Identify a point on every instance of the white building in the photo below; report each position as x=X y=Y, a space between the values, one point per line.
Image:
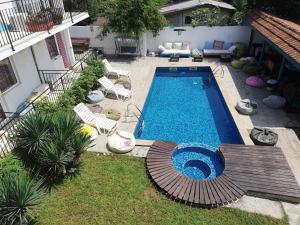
x=34 y=36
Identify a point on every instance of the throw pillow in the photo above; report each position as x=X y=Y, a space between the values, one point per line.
x=227 y=45
x=161 y=48
x=168 y=45
x=208 y=45
x=218 y=44
x=185 y=46
x=177 y=45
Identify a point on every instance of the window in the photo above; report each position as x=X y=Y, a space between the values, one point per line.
x=188 y=20
x=7 y=75
x=52 y=47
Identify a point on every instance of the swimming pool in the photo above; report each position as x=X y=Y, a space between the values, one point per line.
x=185 y=104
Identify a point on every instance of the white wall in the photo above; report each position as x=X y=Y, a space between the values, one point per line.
x=26 y=72
x=196 y=36
x=27 y=77
x=43 y=58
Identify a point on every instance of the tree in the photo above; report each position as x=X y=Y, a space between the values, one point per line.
x=133 y=17
x=281 y=8
x=209 y=17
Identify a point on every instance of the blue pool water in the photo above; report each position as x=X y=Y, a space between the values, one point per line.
x=185 y=105
x=197 y=161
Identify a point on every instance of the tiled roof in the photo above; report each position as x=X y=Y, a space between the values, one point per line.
x=192 y=4
x=282 y=33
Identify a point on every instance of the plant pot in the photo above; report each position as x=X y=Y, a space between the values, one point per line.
x=37 y=27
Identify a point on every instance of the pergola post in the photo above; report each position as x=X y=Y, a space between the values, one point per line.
x=251 y=41
x=281 y=69
x=262 y=53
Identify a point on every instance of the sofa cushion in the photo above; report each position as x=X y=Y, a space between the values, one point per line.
x=169 y=52
x=177 y=45
x=218 y=44
x=227 y=45
x=208 y=45
x=215 y=51
x=168 y=45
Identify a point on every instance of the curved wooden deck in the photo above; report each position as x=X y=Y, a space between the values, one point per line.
x=207 y=193
x=253 y=170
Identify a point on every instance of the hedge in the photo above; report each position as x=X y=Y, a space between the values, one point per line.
x=78 y=92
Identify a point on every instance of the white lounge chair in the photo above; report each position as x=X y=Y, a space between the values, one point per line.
x=114 y=71
x=109 y=87
x=101 y=123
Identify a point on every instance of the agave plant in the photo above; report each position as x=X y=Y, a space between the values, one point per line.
x=54 y=161
x=18 y=195
x=79 y=145
x=32 y=132
x=50 y=145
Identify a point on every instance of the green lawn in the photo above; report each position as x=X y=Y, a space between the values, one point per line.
x=116 y=190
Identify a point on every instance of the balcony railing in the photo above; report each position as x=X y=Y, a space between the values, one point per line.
x=21 y=18
x=58 y=81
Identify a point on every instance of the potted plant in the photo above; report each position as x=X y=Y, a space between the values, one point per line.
x=57 y=15
x=40 y=21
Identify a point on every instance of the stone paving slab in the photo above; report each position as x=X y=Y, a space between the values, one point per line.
x=259 y=205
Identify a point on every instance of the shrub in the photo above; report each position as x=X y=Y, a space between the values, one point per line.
x=18 y=195
x=12 y=165
x=78 y=92
x=241 y=50
x=50 y=145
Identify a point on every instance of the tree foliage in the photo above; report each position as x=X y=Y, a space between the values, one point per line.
x=209 y=17
x=133 y=17
x=281 y=8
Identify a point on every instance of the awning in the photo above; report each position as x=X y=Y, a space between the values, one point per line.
x=282 y=34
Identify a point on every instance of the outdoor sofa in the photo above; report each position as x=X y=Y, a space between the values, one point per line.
x=217 y=48
x=181 y=49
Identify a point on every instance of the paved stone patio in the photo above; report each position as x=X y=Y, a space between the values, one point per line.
x=232 y=85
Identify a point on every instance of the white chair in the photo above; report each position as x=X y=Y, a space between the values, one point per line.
x=101 y=123
x=114 y=71
x=109 y=87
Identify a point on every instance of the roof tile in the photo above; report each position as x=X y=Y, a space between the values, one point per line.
x=283 y=33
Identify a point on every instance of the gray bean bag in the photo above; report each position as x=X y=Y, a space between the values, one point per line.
x=274 y=101
x=246 y=107
x=95 y=96
x=263 y=136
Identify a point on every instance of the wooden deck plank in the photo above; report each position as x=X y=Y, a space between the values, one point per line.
x=187 y=191
x=191 y=197
x=197 y=192
x=261 y=171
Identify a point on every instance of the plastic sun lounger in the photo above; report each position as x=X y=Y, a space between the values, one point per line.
x=101 y=123
x=113 y=71
x=109 y=87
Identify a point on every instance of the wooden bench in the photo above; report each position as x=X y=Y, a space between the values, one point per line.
x=80 y=44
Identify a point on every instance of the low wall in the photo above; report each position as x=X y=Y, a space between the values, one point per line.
x=196 y=36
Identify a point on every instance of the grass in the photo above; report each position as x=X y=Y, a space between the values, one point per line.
x=116 y=190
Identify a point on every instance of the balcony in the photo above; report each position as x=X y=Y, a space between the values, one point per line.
x=53 y=84
x=23 y=20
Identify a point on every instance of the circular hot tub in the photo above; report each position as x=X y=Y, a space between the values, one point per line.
x=198 y=161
